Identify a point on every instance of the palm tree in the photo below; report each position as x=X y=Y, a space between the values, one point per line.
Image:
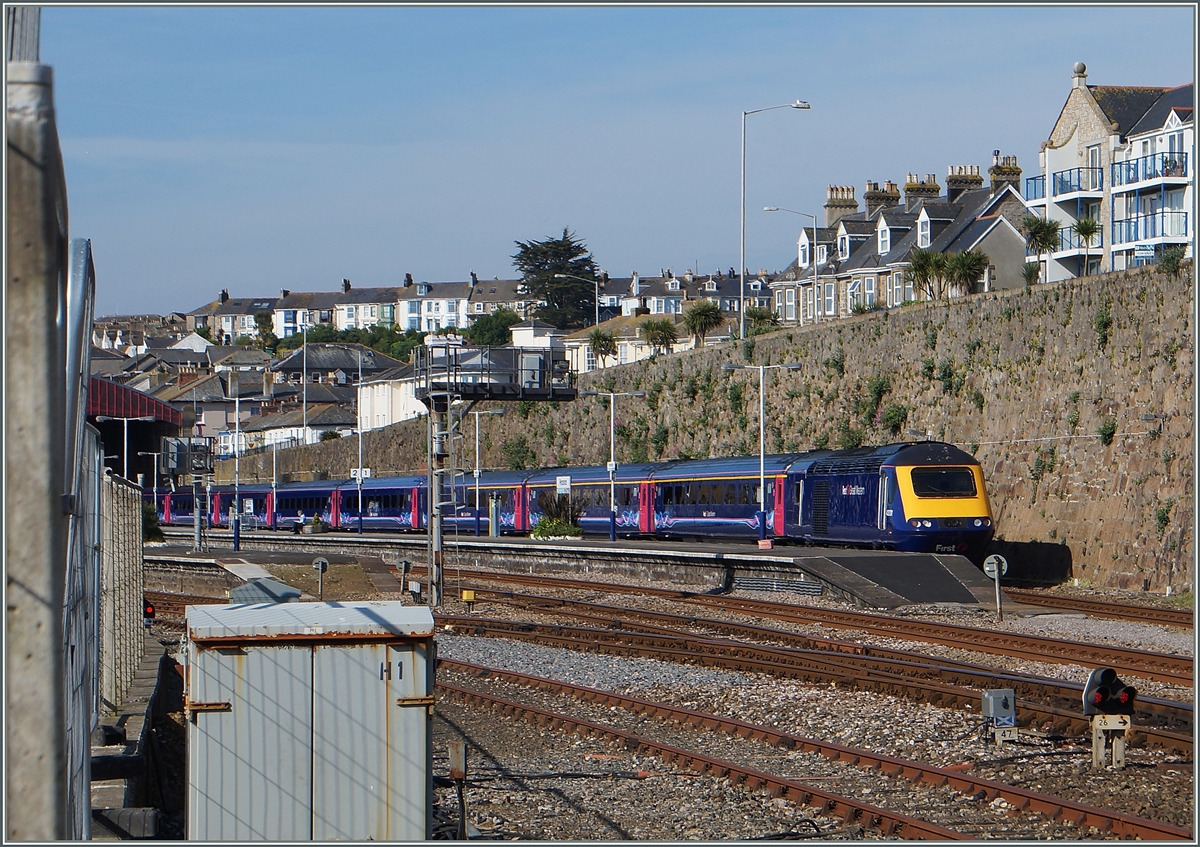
x=1086 y=229
x=702 y=318
x=1041 y=235
x=659 y=334
x=927 y=270
x=761 y=320
x=964 y=269
x=603 y=344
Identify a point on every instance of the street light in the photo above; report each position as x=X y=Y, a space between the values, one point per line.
x=584 y=279
x=155 y=455
x=816 y=267
x=478 y=472
x=125 y=449
x=799 y=104
x=234 y=384
x=612 y=451
x=762 y=436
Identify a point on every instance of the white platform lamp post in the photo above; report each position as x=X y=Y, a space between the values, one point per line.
x=612 y=451
x=762 y=436
x=816 y=267
x=799 y=104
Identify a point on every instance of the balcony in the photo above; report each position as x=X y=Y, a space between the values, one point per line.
x=1035 y=188
x=1069 y=241
x=1164 y=224
x=1154 y=166
x=1077 y=180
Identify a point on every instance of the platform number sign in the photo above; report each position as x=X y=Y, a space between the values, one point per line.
x=562 y=484
x=995 y=565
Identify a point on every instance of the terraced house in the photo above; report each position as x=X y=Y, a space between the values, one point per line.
x=1123 y=157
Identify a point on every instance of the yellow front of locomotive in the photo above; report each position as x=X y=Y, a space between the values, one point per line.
x=945 y=509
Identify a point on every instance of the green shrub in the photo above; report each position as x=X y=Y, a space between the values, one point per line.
x=548 y=527
x=1171 y=259
x=894 y=417
x=1102 y=322
x=330 y=435
x=1106 y=430
x=1162 y=515
x=151 y=531
x=977 y=399
x=837 y=362
x=659 y=439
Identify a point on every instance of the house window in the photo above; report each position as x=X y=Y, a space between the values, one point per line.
x=789 y=310
x=779 y=303
x=853 y=293
x=829 y=298
x=808 y=304
x=823 y=253
x=804 y=255
x=908 y=289
x=414 y=307
x=451 y=305
x=843 y=247
x=656 y=306
x=885 y=241
x=869 y=291
x=478 y=308
x=673 y=285
x=922 y=233
x=590 y=359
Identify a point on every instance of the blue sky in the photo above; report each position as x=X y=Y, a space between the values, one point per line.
x=260 y=148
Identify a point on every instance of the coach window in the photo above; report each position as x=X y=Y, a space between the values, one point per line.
x=702 y=493
x=668 y=495
x=730 y=493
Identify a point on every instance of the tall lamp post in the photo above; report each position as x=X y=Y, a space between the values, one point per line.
x=358 y=411
x=155 y=455
x=235 y=386
x=585 y=279
x=478 y=471
x=612 y=451
x=799 y=104
x=762 y=436
x=816 y=267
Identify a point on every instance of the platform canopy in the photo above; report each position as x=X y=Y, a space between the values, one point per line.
x=114 y=400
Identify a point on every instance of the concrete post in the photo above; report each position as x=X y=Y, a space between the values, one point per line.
x=35 y=431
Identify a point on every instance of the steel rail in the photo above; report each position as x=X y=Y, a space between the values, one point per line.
x=1178 y=715
x=787 y=662
x=1019 y=800
x=889 y=823
x=1161 y=667
x=1141 y=613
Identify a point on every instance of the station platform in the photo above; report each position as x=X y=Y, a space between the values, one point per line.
x=868 y=578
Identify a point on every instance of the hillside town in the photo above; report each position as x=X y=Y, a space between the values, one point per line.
x=1111 y=191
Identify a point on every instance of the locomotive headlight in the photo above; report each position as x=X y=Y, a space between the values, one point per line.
x=914 y=523
x=926 y=524
x=978 y=522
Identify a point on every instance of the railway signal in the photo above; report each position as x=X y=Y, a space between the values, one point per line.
x=147 y=613
x=1109 y=703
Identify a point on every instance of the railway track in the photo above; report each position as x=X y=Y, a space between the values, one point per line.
x=790 y=663
x=1177 y=670
x=1173 y=715
x=1105 y=608
x=889 y=823
x=984 y=790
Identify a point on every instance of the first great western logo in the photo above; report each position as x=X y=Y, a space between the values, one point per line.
x=853 y=490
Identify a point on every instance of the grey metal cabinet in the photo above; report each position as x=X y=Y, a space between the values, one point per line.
x=309 y=721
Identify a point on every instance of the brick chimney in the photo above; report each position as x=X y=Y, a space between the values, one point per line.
x=839 y=202
x=1004 y=171
x=224 y=295
x=877 y=198
x=920 y=189
x=345 y=286
x=961 y=179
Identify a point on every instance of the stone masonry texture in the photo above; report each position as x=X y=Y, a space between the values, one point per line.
x=1031 y=381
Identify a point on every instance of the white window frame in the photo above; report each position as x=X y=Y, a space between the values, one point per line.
x=885 y=241
x=804 y=254
x=830 y=302
x=869 y=291
x=843 y=246
x=923 y=229
x=853 y=293
x=822 y=254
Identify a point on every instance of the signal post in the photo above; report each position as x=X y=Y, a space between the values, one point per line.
x=1109 y=703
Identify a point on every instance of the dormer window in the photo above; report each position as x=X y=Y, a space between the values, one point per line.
x=885 y=240
x=672 y=285
x=711 y=285
x=422 y=289
x=804 y=254
x=923 y=232
x=843 y=247
x=822 y=254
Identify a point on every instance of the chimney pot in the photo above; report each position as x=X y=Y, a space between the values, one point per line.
x=345 y=285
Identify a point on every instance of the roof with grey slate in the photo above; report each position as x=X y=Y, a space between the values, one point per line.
x=1178 y=100
x=1125 y=105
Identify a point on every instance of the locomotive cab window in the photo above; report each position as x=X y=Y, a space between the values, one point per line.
x=943 y=482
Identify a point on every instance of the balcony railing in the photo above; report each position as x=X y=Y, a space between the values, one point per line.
x=1068 y=239
x=1035 y=187
x=1154 y=166
x=1166 y=223
x=1078 y=179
